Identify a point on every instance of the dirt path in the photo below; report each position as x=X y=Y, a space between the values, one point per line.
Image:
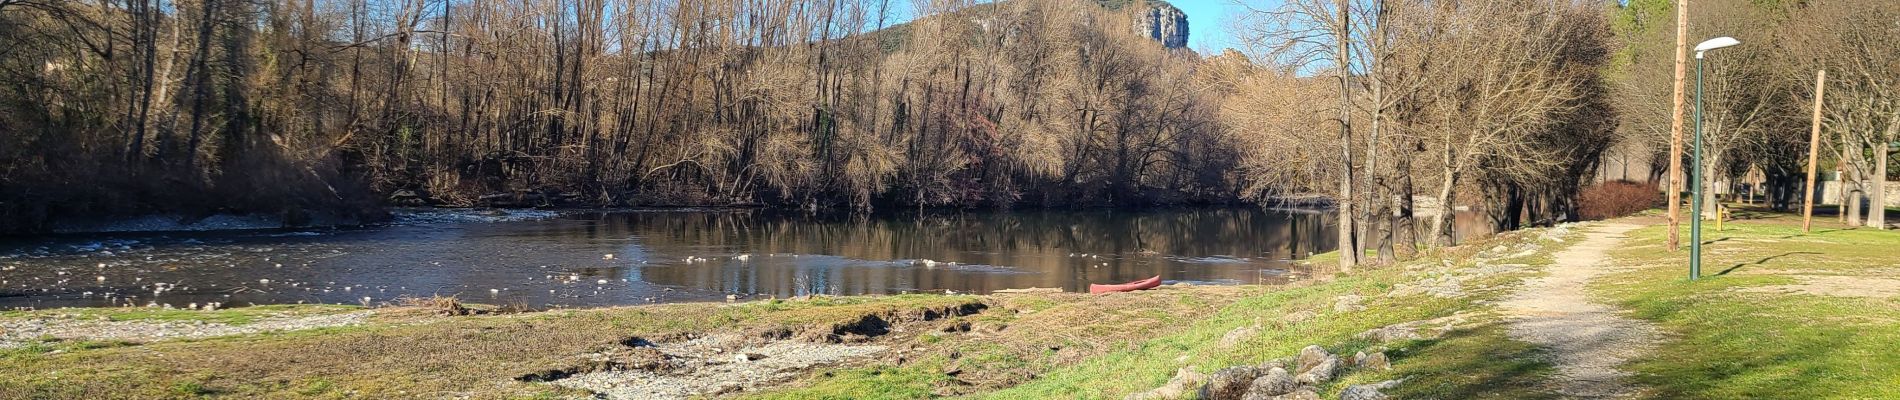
x=1586 y=340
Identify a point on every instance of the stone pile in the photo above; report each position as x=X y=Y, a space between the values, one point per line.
x=1297 y=378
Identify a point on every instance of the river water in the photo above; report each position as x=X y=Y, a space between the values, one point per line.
x=578 y=259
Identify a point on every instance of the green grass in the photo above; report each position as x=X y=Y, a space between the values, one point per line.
x=1731 y=342
x=867 y=383
x=1478 y=363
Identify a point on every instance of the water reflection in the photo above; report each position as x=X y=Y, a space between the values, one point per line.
x=609 y=258
x=979 y=252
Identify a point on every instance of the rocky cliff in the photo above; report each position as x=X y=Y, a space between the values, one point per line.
x=1163 y=22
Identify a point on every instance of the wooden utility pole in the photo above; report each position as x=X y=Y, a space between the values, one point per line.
x=1814 y=149
x=1675 y=125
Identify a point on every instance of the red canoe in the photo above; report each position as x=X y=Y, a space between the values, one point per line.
x=1149 y=283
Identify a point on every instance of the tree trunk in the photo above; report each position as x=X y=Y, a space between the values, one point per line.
x=1407 y=223
x=201 y=87
x=146 y=20
x=1877 y=213
x=1441 y=232
x=1851 y=184
x=1710 y=201
x=1348 y=244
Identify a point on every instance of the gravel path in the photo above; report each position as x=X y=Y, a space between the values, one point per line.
x=1587 y=341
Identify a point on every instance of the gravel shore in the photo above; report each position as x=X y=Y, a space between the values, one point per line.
x=21 y=332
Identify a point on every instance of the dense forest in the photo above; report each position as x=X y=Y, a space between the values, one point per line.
x=302 y=106
x=1392 y=111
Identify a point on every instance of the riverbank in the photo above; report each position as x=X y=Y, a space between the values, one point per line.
x=1758 y=330
x=1018 y=344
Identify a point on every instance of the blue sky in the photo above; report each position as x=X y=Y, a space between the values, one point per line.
x=1207 y=23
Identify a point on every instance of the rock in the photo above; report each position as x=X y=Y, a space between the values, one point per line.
x=1321 y=372
x=1274 y=383
x=1310 y=356
x=1229 y=383
x=1241 y=334
x=1390 y=333
x=410 y=198
x=1376 y=361
x=1176 y=388
x=1489 y=269
x=1348 y=303
x=1367 y=391
x=644 y=358
x=1299 y=317
x=1164 y=23
x=1405 y=289
x=1304 y=393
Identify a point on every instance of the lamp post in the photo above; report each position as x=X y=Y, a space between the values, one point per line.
x=1695 y=225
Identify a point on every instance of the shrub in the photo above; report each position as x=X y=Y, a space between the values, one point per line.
x=1617 y=198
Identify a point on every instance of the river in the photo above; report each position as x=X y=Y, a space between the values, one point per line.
x=603 y=258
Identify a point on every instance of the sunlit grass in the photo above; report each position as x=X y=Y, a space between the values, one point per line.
x=1729 y=342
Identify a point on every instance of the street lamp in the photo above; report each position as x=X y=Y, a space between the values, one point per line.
x=1695 y=171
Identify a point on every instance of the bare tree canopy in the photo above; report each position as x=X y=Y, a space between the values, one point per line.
x=1395 y=111
x=304 y=106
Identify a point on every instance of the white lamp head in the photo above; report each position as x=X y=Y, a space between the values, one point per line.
x=1713 y=44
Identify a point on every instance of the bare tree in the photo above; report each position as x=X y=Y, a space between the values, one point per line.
x=1855 y=41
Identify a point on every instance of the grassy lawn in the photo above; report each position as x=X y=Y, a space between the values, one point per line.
x=1779 y=313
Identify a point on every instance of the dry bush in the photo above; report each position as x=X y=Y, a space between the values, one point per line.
x=1617 y=198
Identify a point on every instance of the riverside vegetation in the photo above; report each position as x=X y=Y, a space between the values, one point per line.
x=1782 y=313
x=1005 y=345
x=319 y=110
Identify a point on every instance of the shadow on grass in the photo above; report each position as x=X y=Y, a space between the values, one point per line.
x=1812 y=233
x=1800 y=362
x=1479 y=362
x=1765 y=260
